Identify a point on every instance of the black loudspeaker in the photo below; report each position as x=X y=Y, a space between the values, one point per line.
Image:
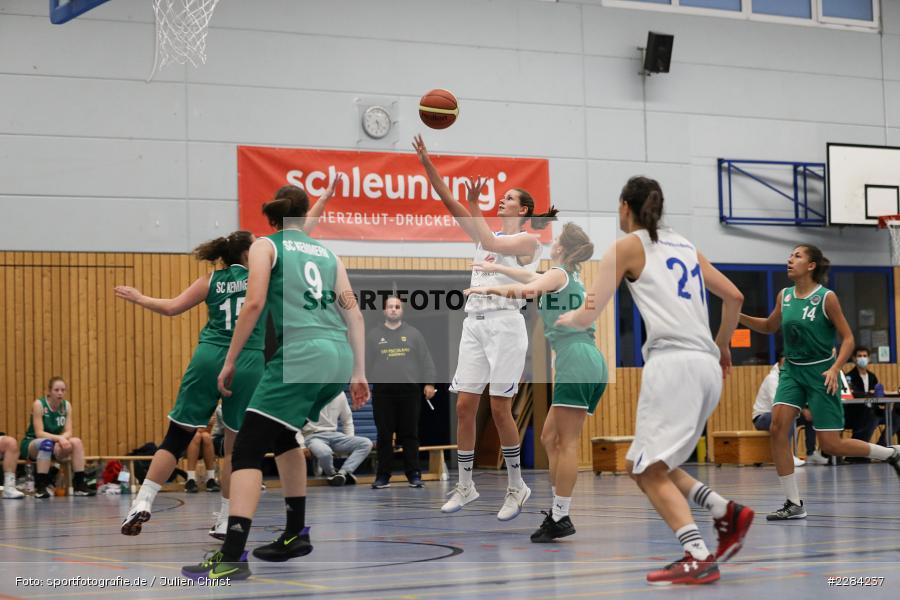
x=659 y=52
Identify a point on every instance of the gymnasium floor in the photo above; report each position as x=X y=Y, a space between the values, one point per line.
x=395 y=544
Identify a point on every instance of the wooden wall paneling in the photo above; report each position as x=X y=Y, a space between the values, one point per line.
x=6 y=416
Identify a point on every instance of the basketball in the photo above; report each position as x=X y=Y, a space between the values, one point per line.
x=438 y=109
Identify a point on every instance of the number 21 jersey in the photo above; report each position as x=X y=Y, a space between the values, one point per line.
x=671 y=295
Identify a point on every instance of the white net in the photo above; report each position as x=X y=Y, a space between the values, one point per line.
x=181 y=28
x=893 y=227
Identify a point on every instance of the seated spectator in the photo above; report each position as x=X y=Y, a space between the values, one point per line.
x=9 y=450
x=860 y=417
x=323 y=440
x=202 y=443
x=50 y=435
x=762 y=414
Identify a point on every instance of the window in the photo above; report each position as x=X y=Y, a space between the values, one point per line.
x=865 y=300
x=856 y=14
x=630 y=334
x=860 y=10
x=783 y=8
x=753 y=283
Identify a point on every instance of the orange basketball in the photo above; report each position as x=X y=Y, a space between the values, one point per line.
x=438 y=109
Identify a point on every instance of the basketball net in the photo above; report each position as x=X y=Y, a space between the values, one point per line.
x=181 y=28
x=892 y=224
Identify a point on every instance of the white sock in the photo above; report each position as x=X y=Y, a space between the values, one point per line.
x=148 y=491
x=553 y=490
x=692 y=541
x=192 y=475
x=466 y=461
x=225 y=506
x=9 y=481
x=708 y=499
x=511 y=454
x=789 y=485
x=880 y=452
x=561 y=507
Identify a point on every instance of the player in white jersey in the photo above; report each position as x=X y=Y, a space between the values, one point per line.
x=682 y=376
x=494 y=338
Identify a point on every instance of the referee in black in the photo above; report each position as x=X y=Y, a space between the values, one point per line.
x=398 y=361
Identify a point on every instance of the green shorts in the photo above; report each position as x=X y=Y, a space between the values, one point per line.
x=23 y=448
x=581 y=376
x=301 y=379
x=803 y=386
x=199 y=393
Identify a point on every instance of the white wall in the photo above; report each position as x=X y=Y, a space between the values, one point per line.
x=94 y=158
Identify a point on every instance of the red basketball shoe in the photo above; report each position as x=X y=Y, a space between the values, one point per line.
x=688 y=571
x=732 y=528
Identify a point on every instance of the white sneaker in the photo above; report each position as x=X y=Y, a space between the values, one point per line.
x=816 y=458
x=138 y=514
x=512 y=505
x=218 y=529
x=798 y=462
x=460 y=495
x=11 y=493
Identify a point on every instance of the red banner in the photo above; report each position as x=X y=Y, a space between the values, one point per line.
x=381 y=195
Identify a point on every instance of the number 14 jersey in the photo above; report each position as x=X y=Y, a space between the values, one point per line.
x=807 y=330
x=671 y=295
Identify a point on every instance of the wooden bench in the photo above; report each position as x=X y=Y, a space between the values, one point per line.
x=608 y=453
x=741 y=447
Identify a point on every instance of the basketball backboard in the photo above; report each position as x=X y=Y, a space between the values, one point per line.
x=863 y=183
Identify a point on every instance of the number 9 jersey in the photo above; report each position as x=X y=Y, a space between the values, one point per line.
x=671 y=295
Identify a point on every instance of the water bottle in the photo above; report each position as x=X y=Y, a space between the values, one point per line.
x=29 y=478
x=124 y=480
x=879 y=390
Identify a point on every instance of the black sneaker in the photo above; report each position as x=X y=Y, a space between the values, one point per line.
x=214 y=567
x=82 y=489
x=212 y=485
x=381 y=482
x=788 y=512
x=41 y=493
x=351 y=479
x=415 y=480
x=894 y=460
x=190 y=487
x=337 y=480
x=285 y=548
x=551 y=530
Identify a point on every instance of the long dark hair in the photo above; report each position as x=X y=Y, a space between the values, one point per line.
x=290 y=202
x=229 y=249
x=814 y=254
x=645 y=199
x=576 y=245
x=539 y=221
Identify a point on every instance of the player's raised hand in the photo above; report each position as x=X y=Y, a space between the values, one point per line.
x=421 y=150
x=474 y=185
x=331 y=188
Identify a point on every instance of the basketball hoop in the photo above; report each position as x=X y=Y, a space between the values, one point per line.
x=181 y=28
x=892 y=224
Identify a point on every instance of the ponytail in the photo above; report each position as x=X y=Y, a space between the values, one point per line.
x=229 y=250
x=645 y=199
x=576 y=246
x=537 y=221
x=290 y=202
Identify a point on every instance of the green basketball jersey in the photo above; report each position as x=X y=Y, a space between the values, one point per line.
x=54 y=420
x=807 y=330
x=302 y=298
x=226 y=295
x=556 y=304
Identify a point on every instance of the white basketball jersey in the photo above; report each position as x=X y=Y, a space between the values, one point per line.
x=485 y=303
x=671 y=295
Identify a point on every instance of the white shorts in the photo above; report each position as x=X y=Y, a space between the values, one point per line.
x=679 y=391
x=491 y=351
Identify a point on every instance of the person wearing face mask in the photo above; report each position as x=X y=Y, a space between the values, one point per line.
x=860 y=417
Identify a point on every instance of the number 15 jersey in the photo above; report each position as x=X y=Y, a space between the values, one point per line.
x=671 y=295
x=225 y=298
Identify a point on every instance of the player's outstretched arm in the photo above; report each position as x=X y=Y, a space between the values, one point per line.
x=170 y=307
x=317 y=209
x=356 y=335
x=459 y=212
x=551 y=281
x=732 y=300
x=768 y=324
x=517 y=273
x=518 y=245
